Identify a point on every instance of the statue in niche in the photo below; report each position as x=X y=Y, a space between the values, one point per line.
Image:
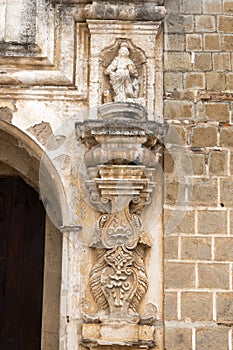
x=124 y=80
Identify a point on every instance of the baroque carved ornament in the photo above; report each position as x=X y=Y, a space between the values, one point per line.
x=121 y=166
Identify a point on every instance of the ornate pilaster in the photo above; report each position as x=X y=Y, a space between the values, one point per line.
x=124 y=138
x=124 y=149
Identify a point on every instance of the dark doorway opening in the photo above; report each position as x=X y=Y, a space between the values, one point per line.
x=22 y=235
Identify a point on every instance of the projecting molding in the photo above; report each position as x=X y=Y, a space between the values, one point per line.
x=51 y=50
x=144 y=11
x=46 y=50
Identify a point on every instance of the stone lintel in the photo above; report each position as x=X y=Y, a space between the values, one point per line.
x=139 y=336
x=72 y=2
x=112 y=26
x=156 y=2
x=146 y=11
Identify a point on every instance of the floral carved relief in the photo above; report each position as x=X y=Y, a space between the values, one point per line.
x=118 y=280
x=124 y=148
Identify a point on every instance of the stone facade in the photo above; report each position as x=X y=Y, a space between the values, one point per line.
x=198 y=103
x=149 y=86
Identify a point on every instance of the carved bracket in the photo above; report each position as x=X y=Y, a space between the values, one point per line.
x=123 y=154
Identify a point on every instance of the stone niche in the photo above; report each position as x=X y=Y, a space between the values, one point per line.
x=123 y=175
x=110 y=59
x=137 y=26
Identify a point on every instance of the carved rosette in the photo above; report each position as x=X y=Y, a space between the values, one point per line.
x=121 y=161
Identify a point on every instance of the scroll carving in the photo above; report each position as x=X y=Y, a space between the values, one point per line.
x=121 y=166
x=118 y=280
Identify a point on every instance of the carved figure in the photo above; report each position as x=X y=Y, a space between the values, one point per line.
x=123 y=76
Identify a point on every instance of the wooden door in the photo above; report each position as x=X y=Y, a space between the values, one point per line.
x=22 y=231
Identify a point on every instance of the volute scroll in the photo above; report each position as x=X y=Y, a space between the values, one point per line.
x=123 y=155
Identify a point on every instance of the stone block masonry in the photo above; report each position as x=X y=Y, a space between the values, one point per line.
x=57 y=68
x=198 y=97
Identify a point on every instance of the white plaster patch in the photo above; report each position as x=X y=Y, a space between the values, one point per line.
x=30 y=113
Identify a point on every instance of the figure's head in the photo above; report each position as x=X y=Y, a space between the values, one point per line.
x=124 y=50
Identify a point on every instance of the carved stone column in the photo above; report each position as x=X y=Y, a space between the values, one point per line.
x=123 y=157
x=124 y=140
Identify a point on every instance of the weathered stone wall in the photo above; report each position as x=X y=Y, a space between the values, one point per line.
x=198 y=83
x=49 y=77
x=50 y=65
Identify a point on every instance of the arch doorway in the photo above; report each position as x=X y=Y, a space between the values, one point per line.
x=20 y=158
x=22 y=238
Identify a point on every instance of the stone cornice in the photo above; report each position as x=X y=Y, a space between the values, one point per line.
x=143 y=11
x=120 y=2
